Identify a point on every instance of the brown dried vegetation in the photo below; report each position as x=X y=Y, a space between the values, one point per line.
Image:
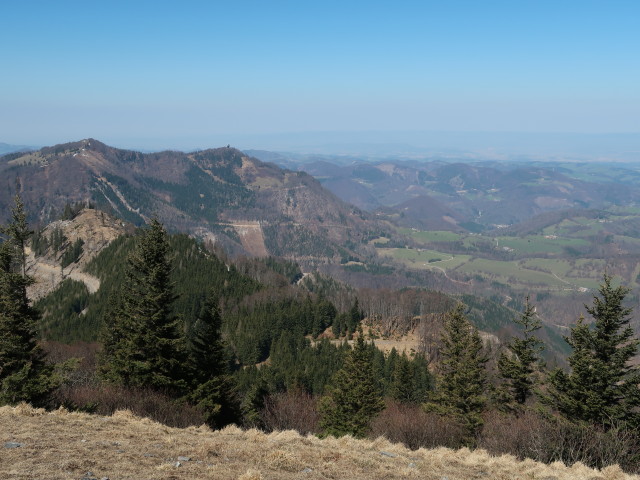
x=62 y=445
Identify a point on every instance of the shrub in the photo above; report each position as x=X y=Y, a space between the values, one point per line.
x=415 y=428
x=84 y=372
x=292 y=410
x=106 y=399
x=549 y=439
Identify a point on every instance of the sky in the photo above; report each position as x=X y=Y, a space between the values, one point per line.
x=195 y=74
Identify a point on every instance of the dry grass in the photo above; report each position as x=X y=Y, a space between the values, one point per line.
x=408 y=342
x=64 y=445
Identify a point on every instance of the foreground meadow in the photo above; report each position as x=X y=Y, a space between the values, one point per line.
x=62 y=445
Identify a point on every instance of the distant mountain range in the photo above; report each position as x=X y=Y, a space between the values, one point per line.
x=438 y=194
x=221 y=195
x=7 y=148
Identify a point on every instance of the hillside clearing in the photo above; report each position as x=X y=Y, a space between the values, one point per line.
x=62 y=445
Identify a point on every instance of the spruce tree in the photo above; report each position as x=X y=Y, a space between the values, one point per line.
x=213 y=388
x=353 y=398
x=19 y=232
x=253 y=402
x=355 y=316
x=422 y=379
x=402 y=386
x=24 y=374
x=461 y=383
x=517 y=367
x=602 y=386
x=142 y=343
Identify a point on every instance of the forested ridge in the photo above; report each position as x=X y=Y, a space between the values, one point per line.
x=213 y=192
x=186 y=335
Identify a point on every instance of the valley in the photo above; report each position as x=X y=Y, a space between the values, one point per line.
x=430 y=224
x=559 y=261
x=502 y=229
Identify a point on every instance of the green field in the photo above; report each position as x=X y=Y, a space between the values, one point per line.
x=630 y=210
x=586 y=228
x=510 y=272
x=559 y=267
x=419 y=258
x=570 y=255
x=430 y=237
x=530 y=273
x=544 y=261
x=532 y=244
x=585 y=273
x=379 y=240
x=623 y=239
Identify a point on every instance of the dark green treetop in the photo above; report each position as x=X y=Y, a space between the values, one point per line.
x=402 y=387
x=24 y=374
x=142 y=343
x=353 y=398
x=462 y=377
x=602 y=385
x=213 y=388
x=18 y=233
x=518 y=366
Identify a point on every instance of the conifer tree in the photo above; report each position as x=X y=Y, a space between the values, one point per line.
x=19 y=232
x=402 y=386
x=142 y=343
x=213 y=388
x=323 y=316
x=253 y=402
x=461 y=384
x=355 y=316
x=390 y=366
x=602 y=386
x=24 y=374
x=517 y=367
x=422 y=379
x=353 y=398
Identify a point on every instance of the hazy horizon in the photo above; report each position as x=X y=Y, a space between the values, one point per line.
x=332 y=77
x=623 y=147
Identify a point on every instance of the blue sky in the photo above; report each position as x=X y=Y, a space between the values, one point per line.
x=185 y=74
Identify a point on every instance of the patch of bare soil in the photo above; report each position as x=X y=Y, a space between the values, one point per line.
x=95 y=228
x=252 y=238
x=35 y=445
x=47 y=276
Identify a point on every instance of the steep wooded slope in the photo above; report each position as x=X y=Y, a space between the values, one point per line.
x=218 y=194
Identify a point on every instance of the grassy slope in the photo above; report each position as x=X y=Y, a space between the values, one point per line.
x=563 y=271
x=62 y=445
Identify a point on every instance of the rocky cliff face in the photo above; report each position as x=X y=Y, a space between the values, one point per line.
x=94 y=228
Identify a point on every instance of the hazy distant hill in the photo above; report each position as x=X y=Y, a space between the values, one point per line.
x=219 y=194
x=7 y=148
x=478 y=195
x=426 y=213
